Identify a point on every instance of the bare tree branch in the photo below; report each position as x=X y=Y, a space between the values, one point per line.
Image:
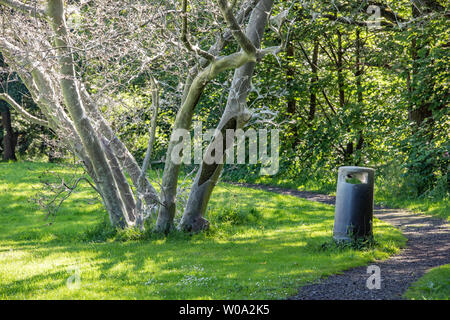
x=232 y=23
x=32 y=11
x=6 y=97
x=151 y=140
x=184 y=36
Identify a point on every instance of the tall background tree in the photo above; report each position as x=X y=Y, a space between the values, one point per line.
x=19 y=138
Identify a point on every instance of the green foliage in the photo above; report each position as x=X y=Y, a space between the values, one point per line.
x=427 y=165
x=393 y=188
x=394 y=116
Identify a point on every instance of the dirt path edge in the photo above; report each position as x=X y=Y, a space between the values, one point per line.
x=428 y=246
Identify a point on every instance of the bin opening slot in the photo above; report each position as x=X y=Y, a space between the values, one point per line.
x=357 y=178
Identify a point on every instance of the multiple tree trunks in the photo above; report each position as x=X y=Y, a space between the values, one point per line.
x=71 y=113
x=114 y=195
x=56 y=89
x=234 y=117
x=207 y=176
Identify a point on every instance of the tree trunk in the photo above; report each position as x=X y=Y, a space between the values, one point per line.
x=193 y=90
x=183 y=120
x=9 y=139
x=340 y=66
x=358 y=74
x=113 y=200
x=290 y=73
x=234 y=117
x=348 y=151
x=314 y=79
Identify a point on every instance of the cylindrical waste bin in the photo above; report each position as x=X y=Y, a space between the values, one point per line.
x=354 y=204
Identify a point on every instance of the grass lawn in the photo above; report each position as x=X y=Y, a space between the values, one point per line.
x=434 y=285
x=261 y=246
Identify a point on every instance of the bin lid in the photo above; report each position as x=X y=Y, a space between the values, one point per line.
x=356 y=169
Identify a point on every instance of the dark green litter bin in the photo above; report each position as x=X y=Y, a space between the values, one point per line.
x=354 y=204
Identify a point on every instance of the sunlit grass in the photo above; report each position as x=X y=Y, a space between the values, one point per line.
x=271 y=245
x=434 y=285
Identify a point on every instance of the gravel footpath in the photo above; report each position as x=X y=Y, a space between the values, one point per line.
x=428 y=246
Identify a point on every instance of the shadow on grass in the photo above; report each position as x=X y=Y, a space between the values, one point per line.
x=232 y=266
x=267 y=258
